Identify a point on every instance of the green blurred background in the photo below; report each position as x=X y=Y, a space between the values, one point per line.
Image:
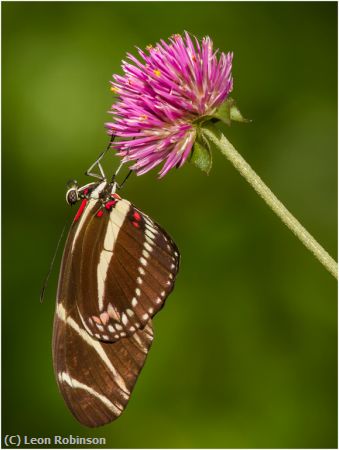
x=245 y=353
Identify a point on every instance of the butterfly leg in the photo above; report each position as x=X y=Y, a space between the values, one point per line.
x=119 y=186
x=125 y=179
x=101 y=175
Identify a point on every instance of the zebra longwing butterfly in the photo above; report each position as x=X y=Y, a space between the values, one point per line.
x=118 y=268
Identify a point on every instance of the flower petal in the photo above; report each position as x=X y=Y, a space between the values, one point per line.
x=160 y=95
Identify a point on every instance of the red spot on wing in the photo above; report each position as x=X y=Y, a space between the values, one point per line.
x=100 y=213
x=136 y=224
x=110 y=204
x=86 y=191
x=104 y=317
x=80 y=210
x=137 y=216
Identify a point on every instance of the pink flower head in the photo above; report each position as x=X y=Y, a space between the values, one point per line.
x=161 y=96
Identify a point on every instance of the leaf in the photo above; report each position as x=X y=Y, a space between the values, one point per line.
x=202 y=156
x=223 y=113
x=229 y=111
x=236 y=115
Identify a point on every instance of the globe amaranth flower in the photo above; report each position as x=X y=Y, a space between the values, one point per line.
x=161 y=97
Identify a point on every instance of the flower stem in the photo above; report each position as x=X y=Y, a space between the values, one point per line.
x=219 y=140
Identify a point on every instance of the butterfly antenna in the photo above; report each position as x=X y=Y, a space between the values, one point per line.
x=44 y=286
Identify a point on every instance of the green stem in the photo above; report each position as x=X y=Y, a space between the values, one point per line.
x=215 y=136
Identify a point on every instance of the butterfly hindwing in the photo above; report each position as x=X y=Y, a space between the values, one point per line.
x=128 y=266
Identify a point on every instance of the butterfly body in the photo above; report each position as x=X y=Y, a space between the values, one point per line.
x=117 y=270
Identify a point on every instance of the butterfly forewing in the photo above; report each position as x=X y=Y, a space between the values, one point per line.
x=95 y=378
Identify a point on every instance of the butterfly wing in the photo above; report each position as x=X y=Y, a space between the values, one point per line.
x=95 y=378
x=128 y=265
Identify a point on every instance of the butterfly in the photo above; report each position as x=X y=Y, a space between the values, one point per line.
x=118 y=268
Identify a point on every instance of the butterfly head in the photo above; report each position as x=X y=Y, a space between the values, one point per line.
x=72 y=193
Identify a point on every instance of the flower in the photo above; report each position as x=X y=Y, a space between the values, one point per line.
x=161 y=98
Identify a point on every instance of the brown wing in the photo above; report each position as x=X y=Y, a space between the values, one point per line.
x=128 y=265
x=95 y=378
